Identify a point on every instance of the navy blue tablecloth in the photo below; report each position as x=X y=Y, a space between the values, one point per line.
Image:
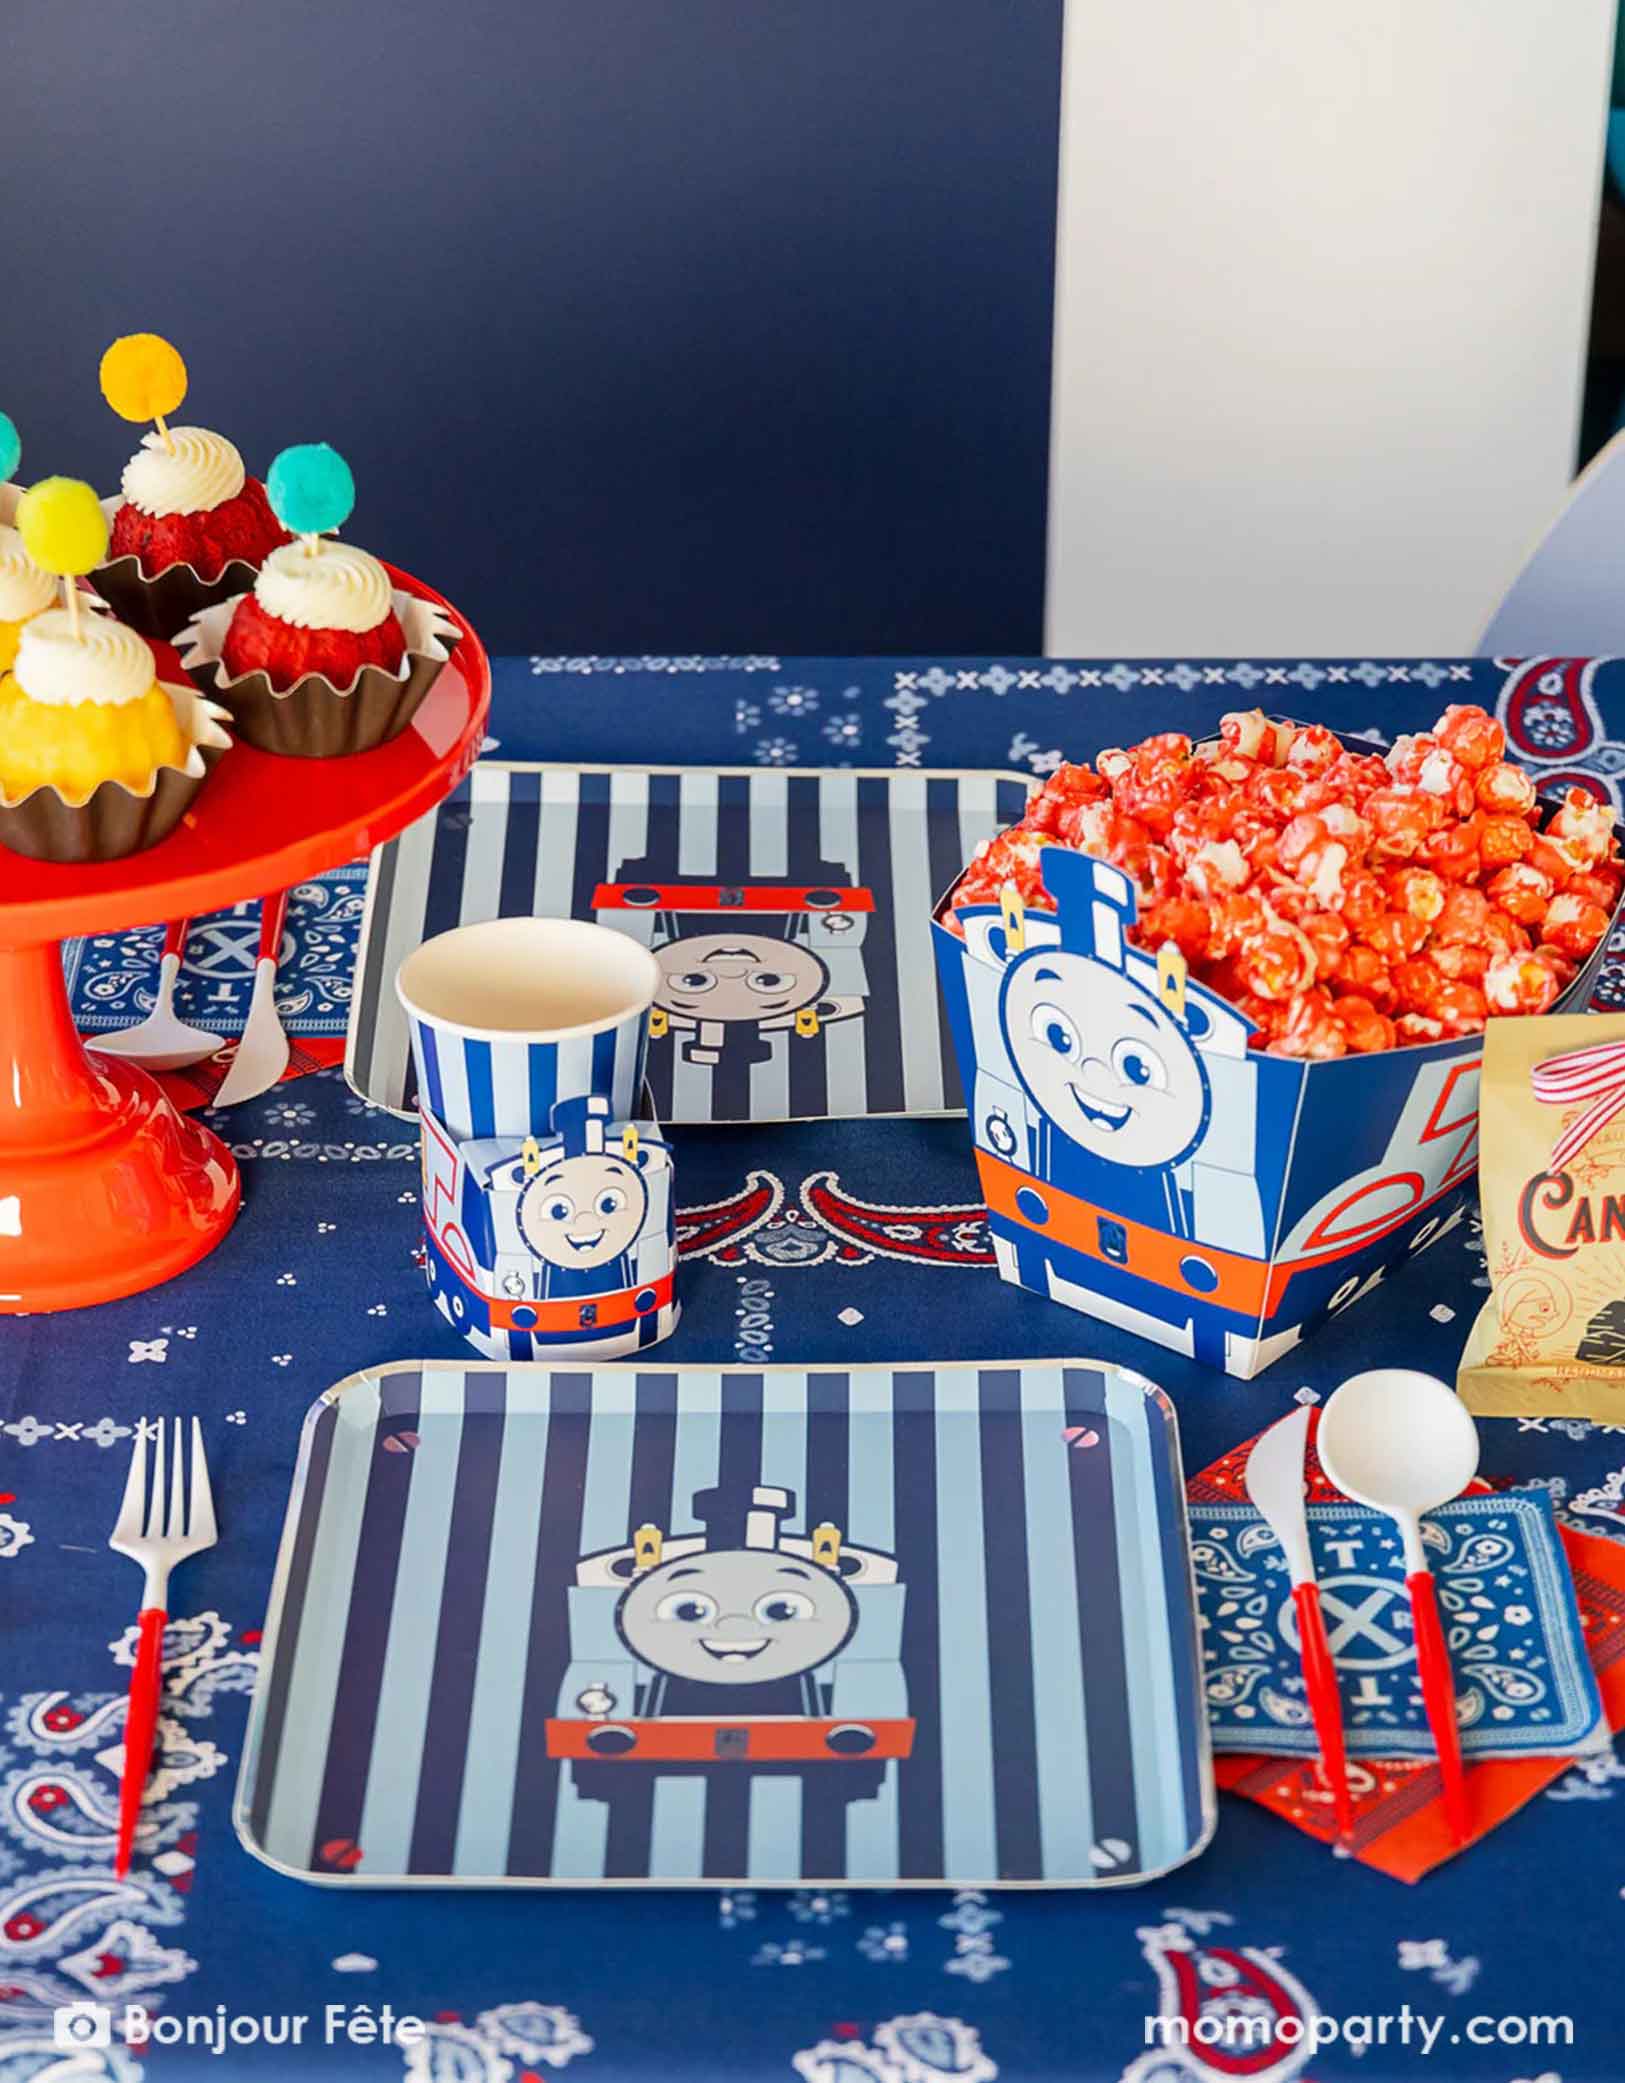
x=319 y=1279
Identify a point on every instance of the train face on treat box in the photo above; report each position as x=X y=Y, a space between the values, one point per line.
x=1142 y=1164
x=547 y=1248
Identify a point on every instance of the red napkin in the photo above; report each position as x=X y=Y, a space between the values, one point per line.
x=197 y=1084
x=1399 y=1825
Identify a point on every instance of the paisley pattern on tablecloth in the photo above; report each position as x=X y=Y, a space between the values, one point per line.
x=826 y=1245
x=70 y=1932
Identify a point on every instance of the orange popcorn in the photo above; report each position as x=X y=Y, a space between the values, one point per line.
x=1503 y=840
x=1522 y=892
x=1584 y=827
x=1504 y=791
x=1474 y=736
x=1343 y=901
x=1572 y=925
x=1520 y=984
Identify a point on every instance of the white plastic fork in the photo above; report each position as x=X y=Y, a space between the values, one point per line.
x=262 y=1047
x=158 y=1526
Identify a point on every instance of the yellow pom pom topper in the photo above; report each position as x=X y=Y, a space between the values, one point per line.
x=143 y=378
x=65 y=531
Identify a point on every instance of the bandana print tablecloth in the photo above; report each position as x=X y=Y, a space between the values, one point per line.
x=821 y=1244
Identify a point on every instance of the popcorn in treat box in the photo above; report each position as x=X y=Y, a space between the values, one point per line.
x=1219 y=1011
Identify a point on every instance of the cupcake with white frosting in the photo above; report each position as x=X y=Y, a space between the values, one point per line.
x=328 y=610
x=25 y=591
x=190 y=525
x=188 y=500
x=325 y=655
x=82 y=706
x=98 y=757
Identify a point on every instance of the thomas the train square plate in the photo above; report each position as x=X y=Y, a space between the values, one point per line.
x=928 y=1626
x=790 y=913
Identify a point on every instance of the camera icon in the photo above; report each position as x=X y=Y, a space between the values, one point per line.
x=79 y=2025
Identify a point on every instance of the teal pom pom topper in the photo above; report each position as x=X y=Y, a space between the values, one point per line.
x=11 y=448
x=311 y=489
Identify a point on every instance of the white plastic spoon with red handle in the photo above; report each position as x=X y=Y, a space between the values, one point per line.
x=162 y=1041
x=1405 y=1443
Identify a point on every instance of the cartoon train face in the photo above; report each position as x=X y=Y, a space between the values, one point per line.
x=581 y=1211
x=1142 y=1163
x=563 y=1242
x=1105 y=1069
x=1104 y=1059
x=718 y=979
x=736 y=1617
x=741 y=1645
x=744 y=956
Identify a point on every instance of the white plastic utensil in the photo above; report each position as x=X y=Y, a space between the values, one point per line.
x=262 y=1053
x=162 y=1041
x=1403 y=1443
x=1274 y=1478
x=160 y=1523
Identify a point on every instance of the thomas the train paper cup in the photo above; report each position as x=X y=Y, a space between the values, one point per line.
x=1225 y=1201
x=561 y=1246
x=513 y=1015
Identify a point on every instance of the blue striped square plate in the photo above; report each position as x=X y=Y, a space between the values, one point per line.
x=790 y=912
x=927 y=1626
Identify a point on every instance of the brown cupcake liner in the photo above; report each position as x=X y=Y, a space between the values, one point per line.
x=114 y=820
x=162 y=605
x=314 y=719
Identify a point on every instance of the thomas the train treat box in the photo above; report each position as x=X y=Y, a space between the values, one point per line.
x=1219 y=1169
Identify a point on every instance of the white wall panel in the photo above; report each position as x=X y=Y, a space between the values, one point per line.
x=1322 y=291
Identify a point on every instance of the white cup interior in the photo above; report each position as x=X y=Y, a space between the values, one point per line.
x=528 y=976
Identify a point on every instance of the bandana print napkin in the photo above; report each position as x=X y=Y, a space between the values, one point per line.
x=113 y=977
x=1524 y=1683
x=1399 y=1825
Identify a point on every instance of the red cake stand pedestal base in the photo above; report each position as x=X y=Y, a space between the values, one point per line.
x=106 y=1189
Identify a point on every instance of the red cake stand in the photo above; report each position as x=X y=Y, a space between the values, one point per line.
x=105 y=1188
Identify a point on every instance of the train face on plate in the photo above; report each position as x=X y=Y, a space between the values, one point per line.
x=741 y=1647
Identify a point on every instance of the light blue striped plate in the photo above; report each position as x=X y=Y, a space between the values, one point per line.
x=927 y=1626
x=789 y=909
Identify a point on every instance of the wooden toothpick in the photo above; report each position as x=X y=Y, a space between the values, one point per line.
x=163 y=428
x=70 y=600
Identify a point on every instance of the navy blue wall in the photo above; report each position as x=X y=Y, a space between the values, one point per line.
x=712 y=325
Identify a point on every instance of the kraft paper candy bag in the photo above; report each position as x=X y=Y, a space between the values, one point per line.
x=1551 y=1339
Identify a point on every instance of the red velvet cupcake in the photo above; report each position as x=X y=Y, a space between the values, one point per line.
x=326 y=609
x=191 y=528
x=314 y=689
x=258 y=641
x=324 y=657
x=241 y=526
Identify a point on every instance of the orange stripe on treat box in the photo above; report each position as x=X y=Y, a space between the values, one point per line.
x=1245 y=1285
x=751 y=1740
x=722 y=896
x=624 y=1306
x=1225 y=1279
